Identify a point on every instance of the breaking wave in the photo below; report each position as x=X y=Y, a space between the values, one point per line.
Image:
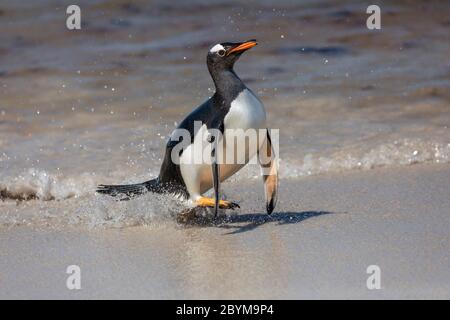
x=398 y=153
x=42 y=185
x=76 y=203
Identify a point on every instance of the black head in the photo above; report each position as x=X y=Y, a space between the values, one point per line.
x=222 y=56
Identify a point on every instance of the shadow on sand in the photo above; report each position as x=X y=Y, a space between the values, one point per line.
x=247 y=222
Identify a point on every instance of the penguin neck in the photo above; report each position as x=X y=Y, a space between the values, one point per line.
x=227 y=82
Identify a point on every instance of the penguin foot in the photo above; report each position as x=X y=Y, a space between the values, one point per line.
x=223 y=204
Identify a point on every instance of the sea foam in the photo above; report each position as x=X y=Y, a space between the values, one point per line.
x=43 y=185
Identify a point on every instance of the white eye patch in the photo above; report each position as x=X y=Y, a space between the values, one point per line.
x=216 y=48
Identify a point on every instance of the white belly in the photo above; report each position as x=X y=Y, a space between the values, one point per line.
x=246 y=112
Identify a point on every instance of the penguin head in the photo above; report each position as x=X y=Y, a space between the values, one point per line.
x=222 y=56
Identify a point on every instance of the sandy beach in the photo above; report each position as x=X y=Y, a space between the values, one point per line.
x=327 y=230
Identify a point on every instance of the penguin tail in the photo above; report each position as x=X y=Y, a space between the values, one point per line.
x=131 y=190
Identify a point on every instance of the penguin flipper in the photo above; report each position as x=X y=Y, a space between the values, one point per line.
x=216 y=184
x=269 y=169
x=216 y=174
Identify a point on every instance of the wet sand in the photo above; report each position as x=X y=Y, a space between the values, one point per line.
x=327 y=230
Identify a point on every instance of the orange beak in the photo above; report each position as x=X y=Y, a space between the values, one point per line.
x=243 y=46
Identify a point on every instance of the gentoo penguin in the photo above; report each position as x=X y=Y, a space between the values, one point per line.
x=233 y=106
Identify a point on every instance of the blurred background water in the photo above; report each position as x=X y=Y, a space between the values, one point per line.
x=96 y=105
